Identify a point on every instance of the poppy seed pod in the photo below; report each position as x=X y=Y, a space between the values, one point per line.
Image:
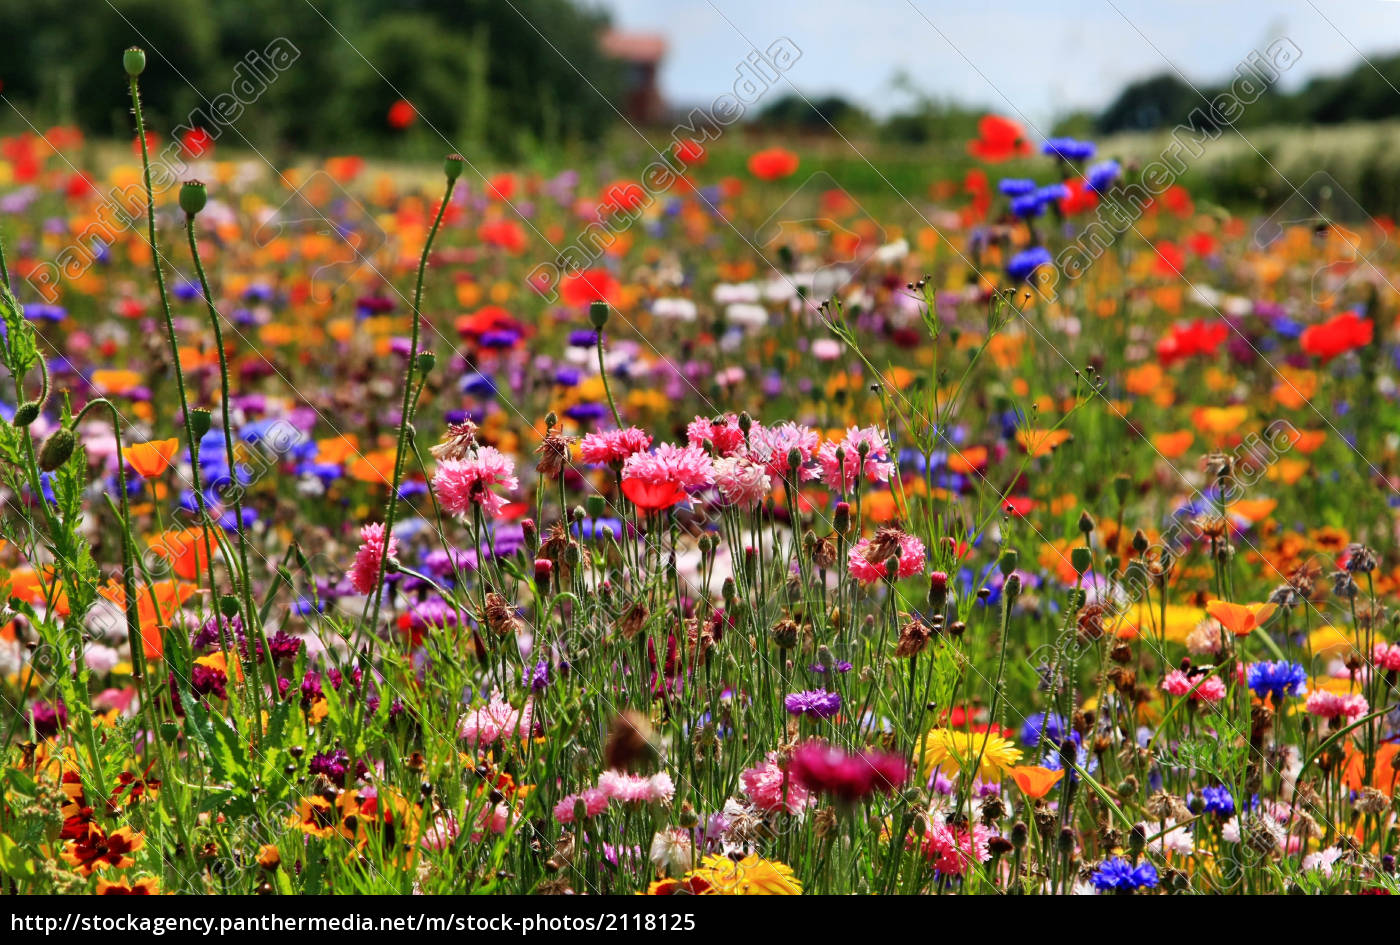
x=57 y=449
x=193 y=197
x=200 y=421
x=134 y=61
x=452 y=166
x=426 y=362
x=598 y=314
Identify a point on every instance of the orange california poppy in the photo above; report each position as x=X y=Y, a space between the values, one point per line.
x=185 y=549
x=1040 y=442
x=1240 y=619
x=151 y=459
x=1383 y=772
x=155 y=606
x=1034 y=781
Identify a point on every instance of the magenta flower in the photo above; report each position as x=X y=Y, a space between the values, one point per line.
x=826 y=769
x=841 y=474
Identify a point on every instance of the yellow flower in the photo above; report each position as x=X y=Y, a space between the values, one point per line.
x=951 y=750
x=751 y=876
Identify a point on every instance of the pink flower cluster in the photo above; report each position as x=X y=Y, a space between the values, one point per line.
x=612 y=447
x=841 y=473
x=1386 y=657
x=496 y=720
x=365 y=571
x=685 y=466
x=722 y=432
x=911 y=560
x=770 y=446
x=1201 y=689
x=952 y=852
x=741 y=482
x=1331 y=705
x=463 y=483
x=617 y=786
x=769 y=788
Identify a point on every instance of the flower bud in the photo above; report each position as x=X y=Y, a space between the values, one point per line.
x=452 y=166
x=1008 y=561
x=200 y=421
x=26 y=413
x=596 y=505
x=938 y=591
x=426 y=361
x=841 y=518
x=228 y=606
x=56 y=450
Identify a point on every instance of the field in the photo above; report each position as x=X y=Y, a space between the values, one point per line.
x=782 y=523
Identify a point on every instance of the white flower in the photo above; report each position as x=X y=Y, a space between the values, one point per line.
x=672 y=850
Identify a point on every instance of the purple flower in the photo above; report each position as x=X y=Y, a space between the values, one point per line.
x=814 y=703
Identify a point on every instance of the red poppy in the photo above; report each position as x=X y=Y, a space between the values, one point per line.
x=773 y=164
x=1339 y=335
x=1080 y=198
x=1178 y=201
x=1170 y=259
x=197 y=142
x=999 y=139
x=79 y=186
x=503 y=234
x=346 y=168
x=1189 y=340
x=690 y=152
x=1202 y=244
x=622 y=196
x=501 y=187
x=591 y=285
x=401 y=115
x=652 y=496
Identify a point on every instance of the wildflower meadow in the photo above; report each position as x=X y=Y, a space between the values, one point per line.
x=690 y=526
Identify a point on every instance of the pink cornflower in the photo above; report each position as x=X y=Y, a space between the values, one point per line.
x=952 y=851
x=441 y=833
x=866 y=560
x=741 y=482
x=612 y=447
x=1330 y=705
x=841 y=474
x=1386 y=656
x=721 y=431
x=496 y=720
x=1202 y=689
x=594 y=803
x=462 y=483
x=637 y=788
x=770 y=789
x=685 y=466
x=771 y=446
x=365 y=571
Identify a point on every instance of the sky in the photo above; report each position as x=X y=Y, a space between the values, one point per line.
x=1040 y=60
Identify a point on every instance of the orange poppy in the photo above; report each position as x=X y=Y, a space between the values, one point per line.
x=1034 y=781
x=1240 y=619
x=151 y=459
x=1040 y=442
x=1173 y=445
x=155 y=605
x=1383 y=772
x=185 y=549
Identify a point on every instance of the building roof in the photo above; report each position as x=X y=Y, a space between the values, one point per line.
x=633 y=47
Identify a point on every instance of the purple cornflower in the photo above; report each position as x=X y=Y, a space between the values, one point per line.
x=814 y=703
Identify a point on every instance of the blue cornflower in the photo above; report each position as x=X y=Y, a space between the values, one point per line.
x=1069 y=149
x=1027 y=261
x=1051 y=724
x=1118 y=875
x=538 y=678
x=1279 y=678
x=1016 y=186
x=1052 y=193
x=1217 y=800
x=1028 y=205
x=1102 y=175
